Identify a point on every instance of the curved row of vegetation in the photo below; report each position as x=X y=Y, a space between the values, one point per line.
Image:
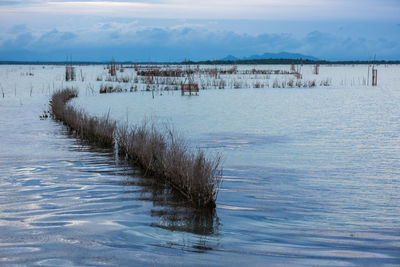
x=160 y=155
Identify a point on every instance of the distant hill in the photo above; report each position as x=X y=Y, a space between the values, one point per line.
x=230 y=58
x=281 y=55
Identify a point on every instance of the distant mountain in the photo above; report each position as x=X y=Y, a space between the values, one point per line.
x=281 y=55
x=230 y=58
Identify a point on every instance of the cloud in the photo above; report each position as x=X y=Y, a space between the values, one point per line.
x=21 y=2
x=132 y=40
x=55 y=37
x=137 y=29
x=21 y=41
x=211 y=9
x=111 y=1
x=36 y=42
x=19 y=28
x=347 y=47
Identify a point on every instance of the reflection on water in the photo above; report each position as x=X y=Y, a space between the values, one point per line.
x=174 y=213
x=187 y=220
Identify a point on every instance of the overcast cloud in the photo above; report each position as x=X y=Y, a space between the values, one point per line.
x=176 y=29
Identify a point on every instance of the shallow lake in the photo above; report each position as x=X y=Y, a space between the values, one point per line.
x=311 y=177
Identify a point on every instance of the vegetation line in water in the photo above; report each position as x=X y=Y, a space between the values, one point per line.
x=160 y=155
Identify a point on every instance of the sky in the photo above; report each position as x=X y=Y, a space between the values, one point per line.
x=174 y=30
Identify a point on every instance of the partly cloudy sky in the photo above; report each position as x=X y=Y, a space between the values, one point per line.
x=172 y=30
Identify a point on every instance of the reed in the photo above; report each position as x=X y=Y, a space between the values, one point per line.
x=162 y=155
x=93 y=129
x=168 y=157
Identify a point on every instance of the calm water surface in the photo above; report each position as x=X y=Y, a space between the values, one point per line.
x=311 y=177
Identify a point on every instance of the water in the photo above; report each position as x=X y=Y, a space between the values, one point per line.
x=63 y=202
x=311 y=177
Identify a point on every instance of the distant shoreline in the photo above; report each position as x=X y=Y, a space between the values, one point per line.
x=213 y=62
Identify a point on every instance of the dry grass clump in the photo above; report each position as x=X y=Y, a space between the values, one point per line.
x=110 y=89
x=168 y=157
x=124 y=79
x=160 y=155
x=96 y=130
